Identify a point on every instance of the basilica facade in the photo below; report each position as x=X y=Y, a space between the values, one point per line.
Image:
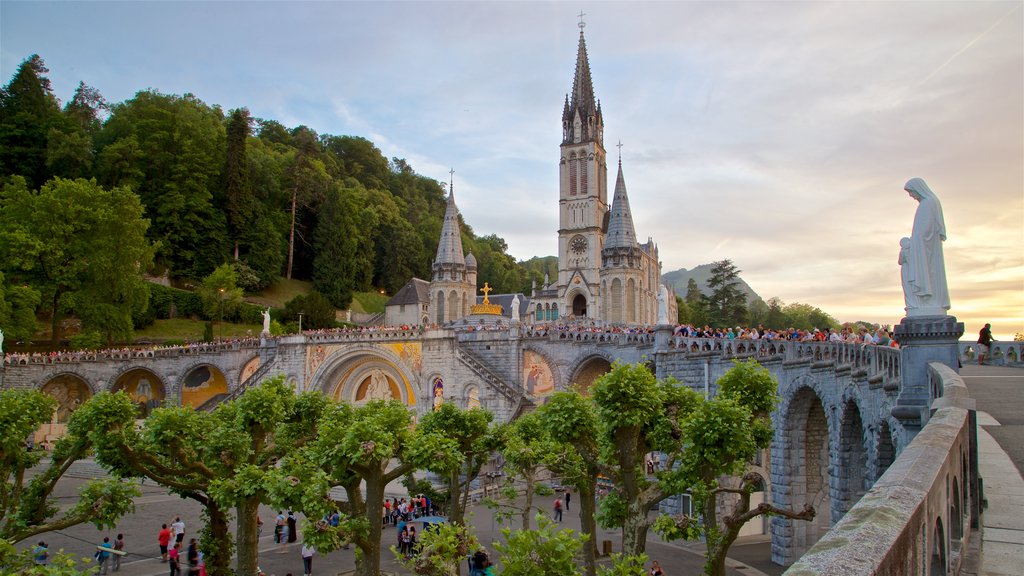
x=604 y=273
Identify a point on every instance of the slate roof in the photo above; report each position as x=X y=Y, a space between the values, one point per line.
x=415 y=291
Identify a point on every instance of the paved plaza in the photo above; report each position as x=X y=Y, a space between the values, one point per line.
x=156 y=506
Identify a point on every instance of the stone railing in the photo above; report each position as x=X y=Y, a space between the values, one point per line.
x=878 y=363
x=131 y=353
x=1001 y=353
x=917 y=517
x=365 y=335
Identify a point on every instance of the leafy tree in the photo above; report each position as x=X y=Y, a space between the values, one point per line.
x=365 y=447
x=441 y=551
x=17 y=310
x=697 y=304
x=220 y=293
x=171 y=149
x=224 y=459
x=541 y=552
x=60 y=563
x=726 y=304
x=82 y=247
x=807 y=317
x=27 y=508
x=241 y=206
x=470 y=441
x=625 y=565
x=309 y=181
x=526 y=446
x=720 y=436
x=344 y=260
x=317 y=311
x=28 y=108
x=571 y=420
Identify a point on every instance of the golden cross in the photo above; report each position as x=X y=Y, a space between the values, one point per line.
x=486 y=290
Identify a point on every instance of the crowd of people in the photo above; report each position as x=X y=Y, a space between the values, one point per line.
x=65 y=356
x=880 y=336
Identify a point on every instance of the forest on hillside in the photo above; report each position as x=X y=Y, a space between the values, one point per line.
x=212 y=187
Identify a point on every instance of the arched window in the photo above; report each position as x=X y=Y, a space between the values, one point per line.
x=554 y=311
x=583 y=175
x=572 y=174
x=439 y=305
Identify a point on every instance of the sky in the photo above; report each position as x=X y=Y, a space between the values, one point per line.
x=776 y=134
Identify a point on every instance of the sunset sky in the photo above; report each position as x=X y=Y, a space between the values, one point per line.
x=778 y=135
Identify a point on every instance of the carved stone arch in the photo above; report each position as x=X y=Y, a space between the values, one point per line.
x=249 y=367
x=143 y=385
x=540 y=373
x=884 y=452
x=447 y=390
x=588 y=369
x=803 y=445
x=70 y=389
x=851 y=470
x=200 y=383
x=345 y=374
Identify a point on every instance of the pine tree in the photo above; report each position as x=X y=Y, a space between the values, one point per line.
x=726 y=305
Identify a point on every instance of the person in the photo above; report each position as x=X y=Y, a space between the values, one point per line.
x=984 y=343
x=656 y=569
x=173 y=557
x=41 y=554
x=119 y=546
x=412 y=540
x=479 y=563
x=280 y=524
x=558 y=509
x=307 y=559
x=924 y=273
x=568 y=497
x=103 y=554
x=178 y=527
x=193 y=557
x=282 y=538
x=163 y=538
x=292 y=532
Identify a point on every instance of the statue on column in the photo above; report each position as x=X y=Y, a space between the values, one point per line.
x=266 y=323
x=922 y=266
x=662 y=304
x=515 y=308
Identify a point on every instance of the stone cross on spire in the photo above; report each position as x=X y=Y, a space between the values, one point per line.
x=582 y=24
x=451 y=182
x=486 y=290
x=619 y=146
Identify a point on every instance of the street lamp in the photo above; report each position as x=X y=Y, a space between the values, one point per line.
x=221 y=290
x=300 y=323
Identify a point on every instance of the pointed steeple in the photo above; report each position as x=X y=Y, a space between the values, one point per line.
x=621 y=233
x=449 y=249
x=581 y=103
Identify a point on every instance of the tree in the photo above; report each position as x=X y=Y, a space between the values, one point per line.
x=720 y=436
x=365 y=447
x=28 y=108
x=697 y=304
x=541 y=552
x=220 y=293
x=237 y=189
x=224 y=459
x=309 y=181
x=726 y=304
x=317 y=311
x=441 y=550
x=526 y=446
x=470 y=441
x=17 y=310
x=82 y=247
x=344 y=260
x=26 y=506
x=571 y=420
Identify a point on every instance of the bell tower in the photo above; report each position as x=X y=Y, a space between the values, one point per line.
x=583 y=194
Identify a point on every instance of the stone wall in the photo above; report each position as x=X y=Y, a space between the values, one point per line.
x=916 y=518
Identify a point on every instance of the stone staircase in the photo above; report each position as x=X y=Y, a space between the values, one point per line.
x=510 y=393
x=265 y=365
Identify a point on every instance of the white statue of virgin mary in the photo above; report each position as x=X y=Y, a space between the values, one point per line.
x=923 y=267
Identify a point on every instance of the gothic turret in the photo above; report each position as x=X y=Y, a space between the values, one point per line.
x=581 y=116
x=621 y=233
x=449 y=249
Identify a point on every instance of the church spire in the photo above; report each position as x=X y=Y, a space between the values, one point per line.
x=581 y=116
x=621 y=233
x=449 y=249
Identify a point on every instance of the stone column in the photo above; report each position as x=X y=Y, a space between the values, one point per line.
x=923 y=339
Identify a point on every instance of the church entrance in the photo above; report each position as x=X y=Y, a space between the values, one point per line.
x=579 y=306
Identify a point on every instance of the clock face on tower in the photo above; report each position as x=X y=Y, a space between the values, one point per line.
x=578 y=245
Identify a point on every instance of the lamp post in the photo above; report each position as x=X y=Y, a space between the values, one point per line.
x=221 y=291
x=300 y=323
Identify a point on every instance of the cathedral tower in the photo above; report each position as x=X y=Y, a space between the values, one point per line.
x=583 y=195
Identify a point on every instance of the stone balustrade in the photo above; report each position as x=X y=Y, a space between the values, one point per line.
x=1001 y=353
x=917 y=517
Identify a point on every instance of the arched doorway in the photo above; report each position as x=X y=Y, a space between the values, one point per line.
x=70 y=391
x=885 y=452
x=364 y=375
x=202 y=384
x=589 y=371
x=144 y=387
x=853 y=461
x=579 y=306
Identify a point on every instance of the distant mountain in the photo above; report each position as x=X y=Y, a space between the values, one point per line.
x=678 y=279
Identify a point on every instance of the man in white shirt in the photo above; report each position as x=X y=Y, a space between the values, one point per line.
x=178 y=528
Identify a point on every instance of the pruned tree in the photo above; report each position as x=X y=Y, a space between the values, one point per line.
x=527 y=447
x=26 y=504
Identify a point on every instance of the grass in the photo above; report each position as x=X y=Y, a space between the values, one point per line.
x=369 y=302
x=187 y=329
x=281 y=291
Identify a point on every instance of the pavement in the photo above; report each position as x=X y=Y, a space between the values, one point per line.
x=999 y=395
x=751 y=556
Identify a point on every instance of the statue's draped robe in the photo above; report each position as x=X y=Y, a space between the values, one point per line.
x=926 y=274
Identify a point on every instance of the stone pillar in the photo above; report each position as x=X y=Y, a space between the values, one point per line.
x=923 y=339
x=662 y=337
